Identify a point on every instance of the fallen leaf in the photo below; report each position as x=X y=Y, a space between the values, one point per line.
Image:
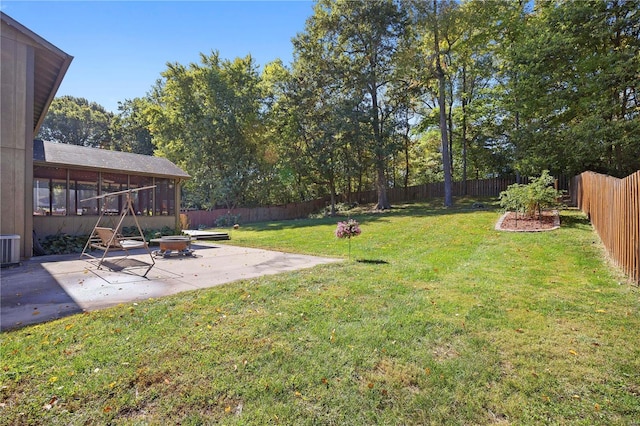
x=238 y=409
x=572 y=352
x=519 y=330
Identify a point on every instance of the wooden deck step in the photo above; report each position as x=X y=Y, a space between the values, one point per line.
x=206 y=235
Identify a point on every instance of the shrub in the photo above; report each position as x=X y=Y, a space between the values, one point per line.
x=531 y=198
x=63 y=243
x=227 y=220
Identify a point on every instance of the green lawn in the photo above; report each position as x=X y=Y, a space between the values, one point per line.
x=436 y=319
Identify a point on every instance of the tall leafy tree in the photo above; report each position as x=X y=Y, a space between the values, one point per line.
x=436 y=31
x=130 y=127
x=286 y=100
x=357 y=43
x=77 y=121
x=574 y=95
x=206 y=117
x=317 y=101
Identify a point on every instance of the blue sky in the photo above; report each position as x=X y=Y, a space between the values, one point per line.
x=121 y=47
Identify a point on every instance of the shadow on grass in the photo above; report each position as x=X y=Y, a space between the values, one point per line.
x=372 y=261
x=575 y=219
x=428 y=208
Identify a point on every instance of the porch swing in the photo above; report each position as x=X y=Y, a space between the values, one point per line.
x=108 y=238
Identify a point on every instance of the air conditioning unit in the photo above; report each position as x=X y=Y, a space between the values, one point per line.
x=10 y=249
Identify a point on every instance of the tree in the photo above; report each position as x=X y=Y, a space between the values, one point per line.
x=434 y=30
x=315 y=102
x=289 y=111
x=130 y=127
x=206 y=118
x=76 y=121
x=355 y=45
x=574 y=93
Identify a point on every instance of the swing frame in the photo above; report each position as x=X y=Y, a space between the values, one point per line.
x=108 y=239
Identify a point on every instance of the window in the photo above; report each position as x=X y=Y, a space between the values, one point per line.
x=41 y=199
x=165 y=197
x=112 y=182
x=60 y=192
x=49 y=191
x=142 y=200
x=59 y=197
x=83 y=185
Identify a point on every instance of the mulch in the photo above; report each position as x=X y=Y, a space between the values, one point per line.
x=549 y=221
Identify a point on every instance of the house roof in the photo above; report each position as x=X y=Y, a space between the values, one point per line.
x=50 y=66
x=80 y=157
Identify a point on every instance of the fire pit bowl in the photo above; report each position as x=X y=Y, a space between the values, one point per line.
x=179 y=245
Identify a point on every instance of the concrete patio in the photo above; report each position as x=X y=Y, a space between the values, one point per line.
x=50 y=287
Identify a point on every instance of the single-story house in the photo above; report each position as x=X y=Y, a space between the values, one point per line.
x=43 y=184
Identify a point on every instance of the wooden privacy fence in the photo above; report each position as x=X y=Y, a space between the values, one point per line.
x=613 y=207
x=196 y=218
x=472 y=188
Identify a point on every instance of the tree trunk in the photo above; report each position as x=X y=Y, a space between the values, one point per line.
x=446 y=164
x=381 y=183
x=465 y=101
x=407 y=158
x=332 y=188
x=383 y=200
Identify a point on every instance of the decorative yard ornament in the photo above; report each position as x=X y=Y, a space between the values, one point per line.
x=348 y=229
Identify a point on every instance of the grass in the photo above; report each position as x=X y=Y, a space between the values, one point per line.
x=436 y=319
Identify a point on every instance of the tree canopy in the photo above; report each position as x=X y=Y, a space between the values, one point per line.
x=391 y=93
x=76 y=121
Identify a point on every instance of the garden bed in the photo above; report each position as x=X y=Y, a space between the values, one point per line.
x=548 y=221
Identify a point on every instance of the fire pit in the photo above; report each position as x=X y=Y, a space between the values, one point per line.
x=178 y=245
